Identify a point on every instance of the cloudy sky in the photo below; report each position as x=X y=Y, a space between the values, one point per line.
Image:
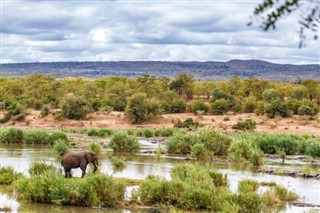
x=145 y=30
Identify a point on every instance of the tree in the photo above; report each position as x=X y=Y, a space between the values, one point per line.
x=311 y=86
x=183 y=85
x=74 y=107
x=269 y=12
x=139 y=108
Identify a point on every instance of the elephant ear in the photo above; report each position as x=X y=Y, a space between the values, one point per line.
x=88 y=157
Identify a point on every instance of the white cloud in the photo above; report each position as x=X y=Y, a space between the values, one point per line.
x=128 y=30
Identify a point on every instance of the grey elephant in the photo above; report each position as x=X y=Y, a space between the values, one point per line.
x=72 y=160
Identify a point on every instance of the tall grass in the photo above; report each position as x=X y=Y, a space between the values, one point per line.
x=51 y=187
x=60 y=147
x=95 y=147
x=8 y=175
x=122 y=142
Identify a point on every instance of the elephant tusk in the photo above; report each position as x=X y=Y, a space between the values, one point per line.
x=96 y=165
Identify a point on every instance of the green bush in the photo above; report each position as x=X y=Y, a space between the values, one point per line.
x=174 y=106
x=139 y=108
x=95 y=147
x=148 y=133
x=218 y=94
x=308 y=108
x=188 y=123
x=270 y=95
x=164 y=132
x=294 y=105
x=214 y=141
x=60 y=147
x=199 y=151
x=99 y=132
x=275 y=108
x=248 y=124
x=198 y=105
x=240 y=150
x=74 y=107
x=249 y=105
x=8 y=175
x=51 y=187
x=44 y=112
x=39 y=168
x=248 y=186
x=313 y=148
x=257 y=157
x=36 y=137
x=191 y=187
x=179 y=143
x=54 y=136
x=122 y=142
x=117 y=162
x=249 y=202
x=11 y=135
x=219 y=107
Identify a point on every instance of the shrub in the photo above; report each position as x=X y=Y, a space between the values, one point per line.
x=8 y=175
x=249 y=105
x=92 y=132
x=51 y=187
x=95 y=147
x=179 y=143
x=188 y=123
x=270 y=95
x=122 y=142
x=74 y=107
x=248 y=124
x=117 y=162
x=218 y=94
x=313 y=148
x=214 y=141
x=148 y=133
x=199 y=151
x=308 y=108
x=20 y=117
x=164 y=132
x=139 y=108
x=248 y=186
x=104 y=132
x=275 y=108
x=257 y=158
x=294 y=105
x=248 y=202
x=11 y=135
x=54 y=136
x=36 y=137
x=39 y=168
x=198 y=105
x=60 y=147
x=44 y=112
x=219 y=107
x=174 y=106
x=240 y=150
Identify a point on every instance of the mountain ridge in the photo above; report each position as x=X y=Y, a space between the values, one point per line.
x=207 y=70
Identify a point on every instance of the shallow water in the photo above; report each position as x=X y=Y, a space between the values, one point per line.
x=141 y=165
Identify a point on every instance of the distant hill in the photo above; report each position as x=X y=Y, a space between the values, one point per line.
x=200 y=70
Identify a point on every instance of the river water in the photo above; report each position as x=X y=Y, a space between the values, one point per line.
x=141 y=165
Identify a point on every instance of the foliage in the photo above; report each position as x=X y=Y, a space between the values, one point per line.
x=257 y=158
x=270 y=95
x=188 y=123
x=139 y=108
x=248 y=186
x=118 y=162
x=95 y=147
x=60 y=147
x=8 y=175
x=248 y=124
x=249 y=105
x=179 y=143
x=74 y=107
x=183 y=85
x=99 y=132
x=308 y=108
x=218 y=94
x=44 y=112
x=164 y=132
x=11 y=135
x=36 y=137
x=269 y=13
x=240 y=150
x=54 y=136
x=39 y=168
x=122 y=142
x=51 y=187
x=313 y=148
x=198 y=105
x=174 y=106
x=275 y=108
x=199 y=151
x=219 y=107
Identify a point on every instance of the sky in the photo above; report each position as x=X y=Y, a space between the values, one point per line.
x=61 y=30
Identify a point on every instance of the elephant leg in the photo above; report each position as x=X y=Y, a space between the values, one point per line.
x=83 y=168
x=67 y=173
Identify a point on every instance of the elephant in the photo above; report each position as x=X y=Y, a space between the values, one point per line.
x=71 y=160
